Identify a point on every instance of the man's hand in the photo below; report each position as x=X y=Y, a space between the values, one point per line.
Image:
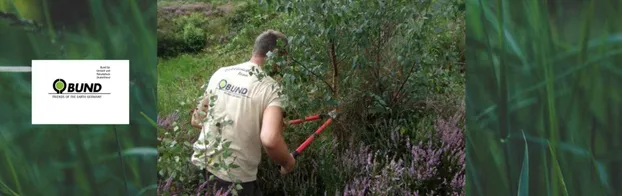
x=200 y=113
x=197 y=118
x=289 y=167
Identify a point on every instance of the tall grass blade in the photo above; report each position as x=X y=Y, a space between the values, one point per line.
x=144 y=190
x=557 y=172
x=116 y=135
x=149 y=120
x=523 y=186
x=7 y=190
x=14 y=174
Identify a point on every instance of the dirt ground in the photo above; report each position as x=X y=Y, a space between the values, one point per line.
x=205 y=8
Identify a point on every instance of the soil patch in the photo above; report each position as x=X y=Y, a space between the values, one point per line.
x=206 y=9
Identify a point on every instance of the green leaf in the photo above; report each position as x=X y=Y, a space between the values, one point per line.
x=149 y=120
x=162 y=172
x=173 y=143
x=523 y=184
x=557 y=170
x=227 y=153
x=227 y=144
x=234 y=192
x=238 y=187
x=141 y=151
x=230 y=122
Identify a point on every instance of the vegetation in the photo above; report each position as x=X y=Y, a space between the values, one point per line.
x=394 y=69
x=542 y=98
x=85 y=159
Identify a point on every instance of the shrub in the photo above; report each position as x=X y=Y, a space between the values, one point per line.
x=251 y=14
x=179 y=34
x=174 y=157
x=169 y=43
x=193 y=34
x=385 y=68
x=434 y=167
x=175 y=138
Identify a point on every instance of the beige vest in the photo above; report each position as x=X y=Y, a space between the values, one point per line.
x=241 y=98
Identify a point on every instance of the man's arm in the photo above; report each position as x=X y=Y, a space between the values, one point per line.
x=272 y=138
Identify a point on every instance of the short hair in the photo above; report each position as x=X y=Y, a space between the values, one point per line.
x=266 y=42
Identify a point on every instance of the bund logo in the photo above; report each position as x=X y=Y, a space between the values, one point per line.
x=225 y=86
x=60 y=86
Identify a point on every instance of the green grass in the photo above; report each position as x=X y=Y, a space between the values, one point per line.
x=79 y=160
x=548 y=71
x=181 y=78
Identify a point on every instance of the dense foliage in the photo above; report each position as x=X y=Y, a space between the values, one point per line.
x=393 y=69
x=181 y=34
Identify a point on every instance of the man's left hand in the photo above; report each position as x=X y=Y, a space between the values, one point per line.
x=197 y=118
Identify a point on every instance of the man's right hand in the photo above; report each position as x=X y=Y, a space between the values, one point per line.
x=289 y=167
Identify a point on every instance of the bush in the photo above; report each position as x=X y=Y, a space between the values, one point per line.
x=391 y=78
x=175 y=147
x=175 y=138
x=193 y=34
x=251 y=14
x=169 y=43
x=181 y=34
x=424 y=170
x=385 y=73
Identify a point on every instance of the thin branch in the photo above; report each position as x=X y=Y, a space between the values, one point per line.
x=333 y=60
x=398 y=91
x=314 y=74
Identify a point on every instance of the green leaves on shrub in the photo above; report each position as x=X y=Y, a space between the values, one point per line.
x=181 y=34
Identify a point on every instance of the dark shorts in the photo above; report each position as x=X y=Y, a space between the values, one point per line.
x=248 y=188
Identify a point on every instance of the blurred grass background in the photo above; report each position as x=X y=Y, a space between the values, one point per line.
x=543 y=97
x=77 y=160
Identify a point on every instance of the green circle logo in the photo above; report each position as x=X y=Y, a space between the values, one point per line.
x=222 y=83
x=59 y=86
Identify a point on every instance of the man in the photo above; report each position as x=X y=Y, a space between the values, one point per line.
x=254 y=106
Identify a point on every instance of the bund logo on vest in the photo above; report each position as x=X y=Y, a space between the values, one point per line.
x=232 y=89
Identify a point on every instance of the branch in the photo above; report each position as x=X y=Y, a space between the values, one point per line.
x=333 y=61
x=314 y=74
x=398 y=91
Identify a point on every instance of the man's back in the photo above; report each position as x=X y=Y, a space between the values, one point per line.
x=240 y=98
